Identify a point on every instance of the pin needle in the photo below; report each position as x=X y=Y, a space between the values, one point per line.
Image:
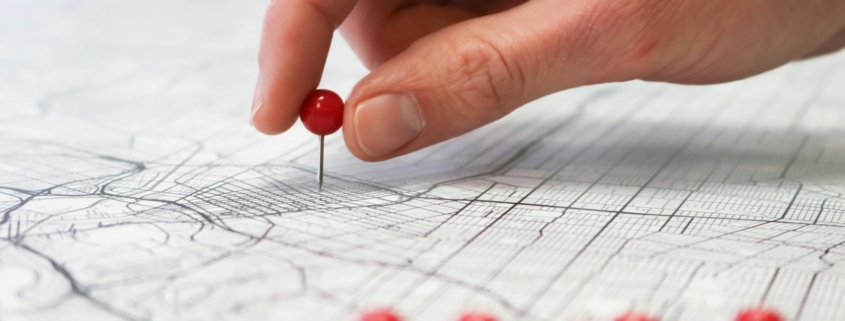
x=320 y=169
x=322 y=114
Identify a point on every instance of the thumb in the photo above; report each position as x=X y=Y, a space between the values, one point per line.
x=475 y=72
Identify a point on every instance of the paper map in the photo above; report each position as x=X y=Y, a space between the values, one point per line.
x=132 y=188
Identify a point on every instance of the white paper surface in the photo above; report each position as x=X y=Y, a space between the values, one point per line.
x=131 y=188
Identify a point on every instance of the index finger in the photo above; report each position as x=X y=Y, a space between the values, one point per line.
x=294 y=45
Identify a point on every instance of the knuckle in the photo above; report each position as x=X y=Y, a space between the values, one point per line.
x=621 y=35
x=325 y=12
x=481 y=78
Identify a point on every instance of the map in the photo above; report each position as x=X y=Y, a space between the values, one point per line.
x=132 y=188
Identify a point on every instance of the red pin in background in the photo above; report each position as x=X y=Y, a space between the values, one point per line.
x=759 y=314
x=477 y=316
x=380 y=315
x=632 y=316
x=322 y=114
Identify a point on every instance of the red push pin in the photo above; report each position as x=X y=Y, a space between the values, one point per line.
x=632 y=316
x=380 y=315
x=759 y=314
x=322 y=114
x=477 y=316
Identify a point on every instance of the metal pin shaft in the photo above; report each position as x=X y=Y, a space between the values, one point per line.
x=320 y=169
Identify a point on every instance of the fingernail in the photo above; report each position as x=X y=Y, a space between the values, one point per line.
x=257 y=102
x=385 y=123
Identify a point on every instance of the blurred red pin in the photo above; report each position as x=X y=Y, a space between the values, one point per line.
x=380 y=315
x=759 y=314
x=633 y=316
x=477 y=316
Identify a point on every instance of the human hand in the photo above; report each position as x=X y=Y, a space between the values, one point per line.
x=440 y=69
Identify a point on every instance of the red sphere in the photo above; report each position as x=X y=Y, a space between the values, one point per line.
x=380 y=315
x=477 y=316
x=759 y=314
x=632 y=316
x=322 y=112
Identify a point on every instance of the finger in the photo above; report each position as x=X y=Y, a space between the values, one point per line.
x=294 y=45
x=834 y=44
x=485 y=7
x=378 y=30
x=466 y=76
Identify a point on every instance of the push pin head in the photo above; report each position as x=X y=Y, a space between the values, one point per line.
x=477 y=316
x=380 y=315
x=633 y=316
x=759 y=314
x=322 y=114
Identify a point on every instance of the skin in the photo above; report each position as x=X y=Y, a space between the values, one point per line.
x=470 y=62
